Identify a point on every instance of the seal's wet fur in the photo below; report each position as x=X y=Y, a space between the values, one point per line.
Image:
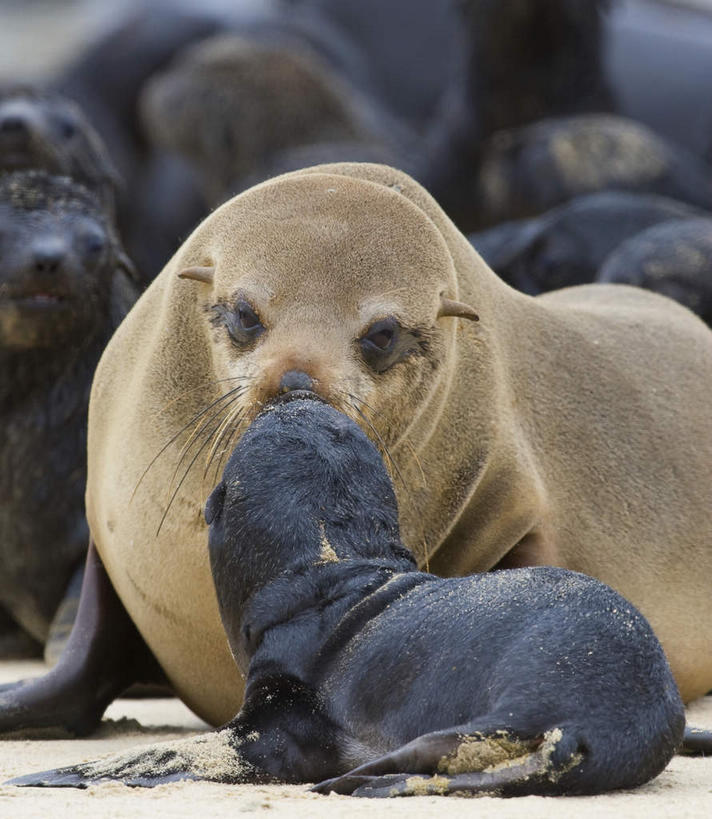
x=524 y=681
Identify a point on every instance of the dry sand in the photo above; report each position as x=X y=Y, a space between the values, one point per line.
x=684 y=789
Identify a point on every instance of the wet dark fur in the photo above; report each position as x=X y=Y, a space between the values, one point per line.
x=567 y=245
x=353 y=653
x=59 y=252
x=674 y=258
x=43 y=130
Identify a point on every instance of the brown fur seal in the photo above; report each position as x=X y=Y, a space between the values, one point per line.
x=349 y=279
x=233 y=106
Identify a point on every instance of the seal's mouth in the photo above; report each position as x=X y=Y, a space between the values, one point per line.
x=41 y=300
x=297 y=395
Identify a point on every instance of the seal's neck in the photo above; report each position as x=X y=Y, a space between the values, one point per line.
x=309 y=605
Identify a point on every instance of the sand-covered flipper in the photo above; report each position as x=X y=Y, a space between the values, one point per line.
x=214 y=757
x=466 y=760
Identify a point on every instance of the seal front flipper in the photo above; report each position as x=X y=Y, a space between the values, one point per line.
x=214 y=756
x=468 y=760
x=280 y=735
x=104 y=655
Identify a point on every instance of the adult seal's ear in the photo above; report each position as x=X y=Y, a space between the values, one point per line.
x=198 y=274
x=448 y=307
x=214 y=504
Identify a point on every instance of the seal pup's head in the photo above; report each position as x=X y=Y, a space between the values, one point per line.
x=43 y=130
x=306 y=507
x=63 y=273
x=673 y=258
x=303 y=486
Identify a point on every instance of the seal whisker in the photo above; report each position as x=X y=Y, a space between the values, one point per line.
x=410 y=445
x=225 y=427
x=185 y=474
x=199 y=387
x=382 y=444
x=177 y=435
x=239 y=419
x=234 y=396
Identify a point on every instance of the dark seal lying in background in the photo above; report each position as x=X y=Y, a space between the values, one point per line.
x=555 y=683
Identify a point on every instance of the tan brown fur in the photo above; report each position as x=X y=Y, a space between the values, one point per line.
x=576 y=424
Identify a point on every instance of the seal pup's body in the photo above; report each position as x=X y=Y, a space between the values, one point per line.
x=522 y=681
x=572 y=429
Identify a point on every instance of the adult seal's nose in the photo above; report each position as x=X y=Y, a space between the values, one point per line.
x=295 y=380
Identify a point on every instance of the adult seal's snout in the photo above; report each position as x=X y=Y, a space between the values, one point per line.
x=295 y=380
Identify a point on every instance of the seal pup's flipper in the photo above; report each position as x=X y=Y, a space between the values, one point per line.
x=214 y=757
x=104 y=655
x=467 y=761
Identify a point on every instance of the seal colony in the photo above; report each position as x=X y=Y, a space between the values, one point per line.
x=555 y=684
x=551 y=431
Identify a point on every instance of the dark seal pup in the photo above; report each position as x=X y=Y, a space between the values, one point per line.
x=65 y=284
x=525 y=171
x=555 y=683
x=567 y=245
x=42 y=130
x=673 y=258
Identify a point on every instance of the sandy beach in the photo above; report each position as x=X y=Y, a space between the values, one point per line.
x=684 y=789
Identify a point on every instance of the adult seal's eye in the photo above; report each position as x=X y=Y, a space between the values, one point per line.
x=247 y=319
x=243 y=324
x=379 y=344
